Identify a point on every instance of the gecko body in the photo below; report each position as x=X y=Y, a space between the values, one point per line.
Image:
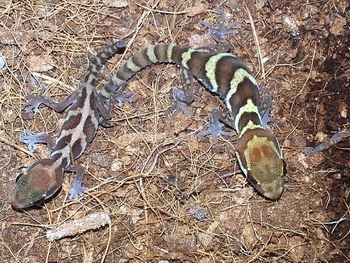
x=85 y=110
x=225 y=75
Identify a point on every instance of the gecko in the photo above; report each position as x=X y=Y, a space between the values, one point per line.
x=85 y=111
x=257 y=149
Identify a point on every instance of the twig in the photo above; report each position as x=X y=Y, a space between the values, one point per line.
x=162 y=11
x=256 y=40
x=22 y=149
x=79 y=226
x=329 y=142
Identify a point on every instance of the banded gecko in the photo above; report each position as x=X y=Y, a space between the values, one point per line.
x=85 y=111
x=257 y=149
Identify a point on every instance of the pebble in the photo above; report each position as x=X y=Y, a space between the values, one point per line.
x=2 y=62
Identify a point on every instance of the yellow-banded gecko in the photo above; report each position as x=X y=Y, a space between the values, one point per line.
x=224 y=74
x=85 y=111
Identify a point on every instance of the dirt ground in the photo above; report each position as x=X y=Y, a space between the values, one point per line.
x=171 y=195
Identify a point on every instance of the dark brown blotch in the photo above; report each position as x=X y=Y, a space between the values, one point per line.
x=62 y=142
x=196 y=64
x=246 y=117
x=77 y=149
x=224 y=73
x=72 y=122
x=124 y=73
x=160 y=51
x=79 y=102
x=245 y=90
x=65 y=162
x=56 y=156
x=89 y=130
x=139 y=60
x=176 y=54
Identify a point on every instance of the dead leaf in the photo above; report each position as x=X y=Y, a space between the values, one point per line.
x=338 y=26
x=40 y=63
x=196 y=9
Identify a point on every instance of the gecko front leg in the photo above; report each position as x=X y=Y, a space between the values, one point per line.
x=32 y=139
x=36 y=100
x=183 y=99
x=264 y=109
x=216 y=124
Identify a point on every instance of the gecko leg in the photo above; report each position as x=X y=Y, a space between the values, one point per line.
x=106 y=111
x=187 y=80
x=264 y=109
x=32 y=139
x=183 y=99
x=77 y=189
x=217 y=122
x=36 y=100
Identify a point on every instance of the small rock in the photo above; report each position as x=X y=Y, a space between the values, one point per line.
x=338 y=26
x=117 y=165
x=133 y=213
x=301 y=159
x=2 y=62
x=320 y=137
x=198 y=212
x=205 y=238
x=102 y=160
x=291 y=25
x=343 y=110
x=197 y=8
x=181 y=244
x=248 y=236
x=297 y=248
x=319 y=234
x=321 y=109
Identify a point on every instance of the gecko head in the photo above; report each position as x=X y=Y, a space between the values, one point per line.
x=39 y=182
x=261 y=160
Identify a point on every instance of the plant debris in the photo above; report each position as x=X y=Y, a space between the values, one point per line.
x=79 y=226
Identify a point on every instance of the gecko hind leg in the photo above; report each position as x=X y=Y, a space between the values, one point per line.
x=77 y=189
x=184 y=99
x=106 y=111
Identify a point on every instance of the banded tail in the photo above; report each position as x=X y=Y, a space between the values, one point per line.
x=224 y=74
x=97 y=62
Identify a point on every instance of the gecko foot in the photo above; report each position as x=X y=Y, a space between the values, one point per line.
x=264 y=109
x=181 y=104
x=33 y=139
x=215 y=126
x=76 y=191
x=33 y=103
x=124 y=97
